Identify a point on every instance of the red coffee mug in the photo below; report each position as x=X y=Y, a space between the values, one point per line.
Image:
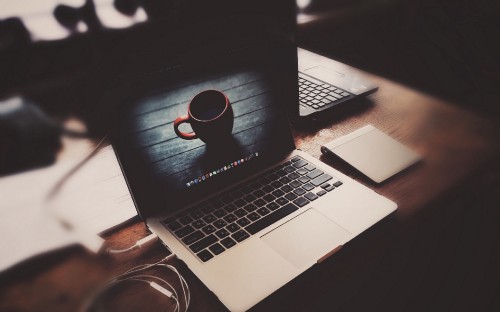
x=210 y=115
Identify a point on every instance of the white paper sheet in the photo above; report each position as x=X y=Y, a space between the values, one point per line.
x=93 y=199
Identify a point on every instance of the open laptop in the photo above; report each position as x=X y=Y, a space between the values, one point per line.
x=325 y=84
x=248 y=214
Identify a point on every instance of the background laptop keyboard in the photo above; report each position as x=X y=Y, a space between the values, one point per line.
x=318 y=95
x=210 y=228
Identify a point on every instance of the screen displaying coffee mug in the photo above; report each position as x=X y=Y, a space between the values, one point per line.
x=216 y=113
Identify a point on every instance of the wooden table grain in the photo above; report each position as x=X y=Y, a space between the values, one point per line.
x=436 y=252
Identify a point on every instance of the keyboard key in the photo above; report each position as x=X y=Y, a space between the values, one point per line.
x=243 y=222
x=285 y=180
x=174 y=226
x=209 y=229
x=278 y=193
x=321 y=193
x=272 y=177
x=220 y=213
x=287 y=189
x=207 y=208
x=250 y=198
x=228 y=242
x=269 y=198
x=299 y=191
x=220 y=223
x=289 y=169
x=263 y=211
x=230 y=218
x=217 y=249
x=314 y=174
x=321 y=179
x=233 y=227
x=188 y=229
x=295 y=159
x=168 y=220
x=282 y=201
x=230 y=208
x=259 y=193
x=272 y=206
x=337 y=184
x=295 y=184
x=197 y=214
x=330 y=188
x=325 y=185
x=253 y=216
x=259 y=202
x=240 y=203
x=308 y=186
x=193 y=237
x=303 y=179
x=281 y=173
x=331 y=98
x=302 y=171
x=300 y=163
x=311 y=196
x=240 y=236
x=309 y=167
x=271 y=218
x=293 y=176
x=240 y=212
x=290 y=196
x=205 y=255
x=198 y=224
x=203 y=243
x=209 y=218
x=301 y=201
x=268 y=188
x=222 y=233
x=277 y=184
x=250 y=207
x=185 y=220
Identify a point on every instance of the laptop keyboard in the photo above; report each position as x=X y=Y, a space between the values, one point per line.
x=317 y=94
x=210 y=228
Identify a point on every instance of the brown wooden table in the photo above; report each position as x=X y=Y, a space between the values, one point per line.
x=439 y=251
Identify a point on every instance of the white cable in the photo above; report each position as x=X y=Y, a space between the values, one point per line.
x=155 y=282
x=146 y=240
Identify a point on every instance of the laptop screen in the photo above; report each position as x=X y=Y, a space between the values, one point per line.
x=213 y=111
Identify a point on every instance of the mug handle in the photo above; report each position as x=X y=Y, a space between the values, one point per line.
x=183 y=135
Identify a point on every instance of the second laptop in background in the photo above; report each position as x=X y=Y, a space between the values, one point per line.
x=324 y=84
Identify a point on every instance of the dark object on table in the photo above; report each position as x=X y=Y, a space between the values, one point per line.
x=28 y=138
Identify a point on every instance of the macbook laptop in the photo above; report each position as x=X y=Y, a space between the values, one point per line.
x=249 y=212
x=325 y=84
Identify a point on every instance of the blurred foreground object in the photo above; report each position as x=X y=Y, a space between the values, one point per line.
x=28 y=137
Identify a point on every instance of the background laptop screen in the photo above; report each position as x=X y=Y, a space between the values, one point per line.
x=244 y=50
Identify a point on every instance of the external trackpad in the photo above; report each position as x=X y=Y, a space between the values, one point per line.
x=306 y=238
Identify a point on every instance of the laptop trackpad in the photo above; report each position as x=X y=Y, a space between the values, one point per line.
x=306 y=238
